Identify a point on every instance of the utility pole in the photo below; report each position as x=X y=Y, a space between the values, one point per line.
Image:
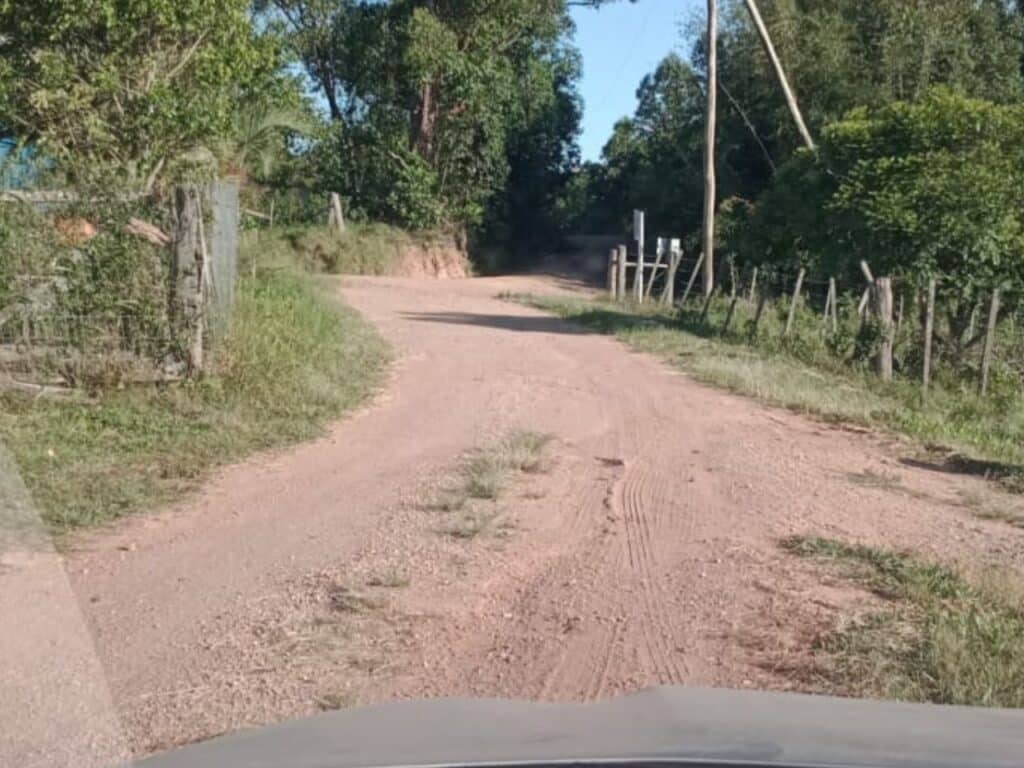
x=709 y=150
x=780 y=73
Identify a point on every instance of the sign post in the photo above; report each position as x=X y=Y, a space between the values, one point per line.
x=638 y=235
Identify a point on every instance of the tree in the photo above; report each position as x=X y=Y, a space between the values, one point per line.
x=125 y=87
x=449 y=96
x=839 y=55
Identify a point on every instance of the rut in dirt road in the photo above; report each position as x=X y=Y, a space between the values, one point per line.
x=646 y=554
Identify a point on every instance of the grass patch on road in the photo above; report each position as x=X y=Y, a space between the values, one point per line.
x=942 y=638
x=483 y=476
x=295 y=359
x=966 y=433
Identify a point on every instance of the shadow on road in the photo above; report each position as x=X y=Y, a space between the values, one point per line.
x=520 y=323
x=956 y=464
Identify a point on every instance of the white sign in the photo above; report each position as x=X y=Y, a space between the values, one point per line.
x=638 y=226
x=674 y=245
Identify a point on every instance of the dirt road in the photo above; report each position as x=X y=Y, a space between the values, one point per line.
x=647 y=552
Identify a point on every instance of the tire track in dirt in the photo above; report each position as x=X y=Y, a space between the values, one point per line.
x=656 y=633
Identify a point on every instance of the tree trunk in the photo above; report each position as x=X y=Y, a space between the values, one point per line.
x=424 y=121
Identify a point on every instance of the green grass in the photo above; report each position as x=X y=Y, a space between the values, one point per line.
x=942 y=638
x=363 y=249
x=808 y=374
x=483 y=476
x=294 y=359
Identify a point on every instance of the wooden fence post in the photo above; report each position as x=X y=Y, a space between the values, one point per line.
x=825 y=313
x=613 y=273
x=990 y=340
x=693 y=278
x=668 y=296
x=187 y=278
x=728 y=317
x=753 y=285
x=832 y=302
x=638 y=277
x=660 y=251
x=336 y=218
x=835 y=304
x=761 y=301
x=929 y=328
x=620 y=284
x=796 y=297
x=883 y=308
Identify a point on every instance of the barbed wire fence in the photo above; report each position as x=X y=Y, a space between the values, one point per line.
x=897 y=322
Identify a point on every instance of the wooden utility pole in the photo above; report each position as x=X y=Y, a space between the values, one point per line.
x=780 y=73
x=709 y=150
x=883 y=308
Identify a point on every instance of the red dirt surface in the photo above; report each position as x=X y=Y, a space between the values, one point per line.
x=646 y=553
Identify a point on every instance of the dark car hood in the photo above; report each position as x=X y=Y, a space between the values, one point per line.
x=681 y=725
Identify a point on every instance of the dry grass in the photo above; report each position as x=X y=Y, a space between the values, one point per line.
x=483 y=476
x=942 y=638
x=390 y=579
x=330 y=702
x=469 y=525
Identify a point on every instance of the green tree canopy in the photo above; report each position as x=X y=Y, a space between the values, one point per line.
x=916 y=189
x=441 y=111
x=125 y=87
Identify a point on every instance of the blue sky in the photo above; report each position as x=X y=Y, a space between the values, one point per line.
x=621 y=43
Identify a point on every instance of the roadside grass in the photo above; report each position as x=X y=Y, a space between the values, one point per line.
x=961 y=431
x=942 y=638
x=294 y=359
x=483 y=476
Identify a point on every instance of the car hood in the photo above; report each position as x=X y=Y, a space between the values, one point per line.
x=678 y=725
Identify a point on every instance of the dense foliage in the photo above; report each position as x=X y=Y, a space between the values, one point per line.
x=440 y=113
x=124 y=88
x=930 y=189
